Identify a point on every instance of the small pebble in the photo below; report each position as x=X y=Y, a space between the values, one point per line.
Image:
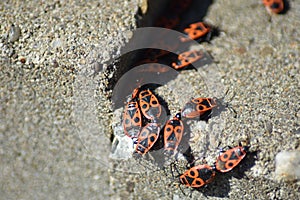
x=97 y=67
x=55 y=64
x=14 y=33
x=23 y=60
x=122 y=148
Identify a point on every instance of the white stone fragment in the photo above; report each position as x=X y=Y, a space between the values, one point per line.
x=288 y=165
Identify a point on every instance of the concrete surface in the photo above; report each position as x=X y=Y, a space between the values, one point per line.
x=56 y=121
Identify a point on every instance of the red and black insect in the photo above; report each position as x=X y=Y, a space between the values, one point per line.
x=149 y=104
x=198 y=176
x=173 y=132
x=186 y=58
x=197 y=31
x=274 y=6
x=229 y=159
x=198 y=108
x=132 y=119
x=147 y=138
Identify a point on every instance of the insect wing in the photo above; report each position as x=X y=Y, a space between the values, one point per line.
x=148 y=136
x=230 y=159
x=198 y=107
x=132 y=120
x=149 y=104
x=173 y=132
x=197 y=176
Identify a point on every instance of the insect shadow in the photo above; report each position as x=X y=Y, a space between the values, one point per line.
x=184 y=147
x=286 y=7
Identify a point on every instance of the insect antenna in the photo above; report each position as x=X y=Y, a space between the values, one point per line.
x=176 y=178
x=223 y=105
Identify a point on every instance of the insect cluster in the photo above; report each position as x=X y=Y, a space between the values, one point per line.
x=142 y=123
x=142 y=117
x=142 y=120
x=143 y=106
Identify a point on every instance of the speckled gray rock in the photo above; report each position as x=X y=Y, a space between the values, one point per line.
x=53 y=144
x=14 y=33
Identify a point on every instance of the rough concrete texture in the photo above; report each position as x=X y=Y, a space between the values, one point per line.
x=56 y=120
x=45 y=146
